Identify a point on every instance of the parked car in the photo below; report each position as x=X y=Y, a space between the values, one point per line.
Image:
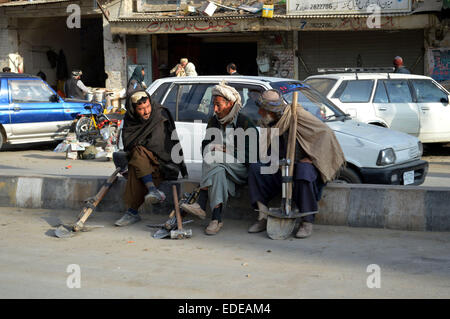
x=374 y=155
x=413 y=104
x=31 y=111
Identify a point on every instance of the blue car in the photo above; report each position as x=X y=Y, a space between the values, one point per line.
x=31 y=111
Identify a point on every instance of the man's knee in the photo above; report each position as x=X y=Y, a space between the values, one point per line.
x=254 y=169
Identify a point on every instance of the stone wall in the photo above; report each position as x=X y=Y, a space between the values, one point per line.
x=278 y=47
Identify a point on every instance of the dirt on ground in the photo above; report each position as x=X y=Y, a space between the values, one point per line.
x=336 y=262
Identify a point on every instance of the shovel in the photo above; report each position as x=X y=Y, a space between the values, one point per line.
x=164 y=232
x=281 y=221
x=171 y=223
x=67 y=231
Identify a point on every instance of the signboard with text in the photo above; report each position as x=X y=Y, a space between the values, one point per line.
x=316 y=7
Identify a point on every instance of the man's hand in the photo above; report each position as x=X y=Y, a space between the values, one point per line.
x=179 y=69
x=218 y=148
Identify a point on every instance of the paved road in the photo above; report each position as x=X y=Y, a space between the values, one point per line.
x=128 y=263
x=40 y=160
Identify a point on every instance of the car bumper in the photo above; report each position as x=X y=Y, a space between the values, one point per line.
x=393 y=175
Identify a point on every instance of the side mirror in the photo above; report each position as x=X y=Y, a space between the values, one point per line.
x=54 y=98
x=444 y=101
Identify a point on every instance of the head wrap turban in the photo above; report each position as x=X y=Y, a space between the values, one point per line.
x=229 y=93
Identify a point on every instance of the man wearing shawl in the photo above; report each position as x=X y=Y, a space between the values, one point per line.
x=147 y=138
x=225 y=161
x=136 y=81
x=184 y=68
x=318 y=158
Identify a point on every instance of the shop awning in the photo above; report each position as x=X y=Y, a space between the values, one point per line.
x=142 y=24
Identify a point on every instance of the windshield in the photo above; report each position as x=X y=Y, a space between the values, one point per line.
x=310 y=99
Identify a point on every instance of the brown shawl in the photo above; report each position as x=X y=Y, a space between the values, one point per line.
x=317 y=140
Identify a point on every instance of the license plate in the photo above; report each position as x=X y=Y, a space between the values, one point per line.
x=408 y=177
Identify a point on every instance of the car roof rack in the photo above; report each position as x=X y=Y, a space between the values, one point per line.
x=357 y=70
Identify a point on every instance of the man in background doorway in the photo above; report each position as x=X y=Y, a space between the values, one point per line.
x=399 y=67
x=184 y=68
x=232 y=69
x=74 y=87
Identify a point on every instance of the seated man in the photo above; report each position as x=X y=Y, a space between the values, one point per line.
x=146 y=135
x=318 y=158
x=225 y=161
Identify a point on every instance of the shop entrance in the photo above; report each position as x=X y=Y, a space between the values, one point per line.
x=212 y=55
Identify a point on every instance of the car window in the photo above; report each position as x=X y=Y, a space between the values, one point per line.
x=160 y=91
x=29 y=91
x=398 y=91
x=196 y=103
x=427 y=91
x=311 y=100
x=249 y=107
x=380 y=94
x=354 y=91
x=322 y=85
x=171 y=100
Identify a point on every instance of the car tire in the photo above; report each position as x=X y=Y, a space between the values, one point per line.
x=2 y=140
x=348 y=175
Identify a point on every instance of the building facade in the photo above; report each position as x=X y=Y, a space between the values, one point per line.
x=299 y=38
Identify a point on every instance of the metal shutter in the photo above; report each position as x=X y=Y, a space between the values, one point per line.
x=376 y=48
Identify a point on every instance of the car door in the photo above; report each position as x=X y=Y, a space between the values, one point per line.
x=353 y=97
x=33 y=115
x=434 y=111
x=393 y=102
x=4 y=103
x=191 y=107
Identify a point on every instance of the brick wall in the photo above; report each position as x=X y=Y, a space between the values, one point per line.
x=278 y=47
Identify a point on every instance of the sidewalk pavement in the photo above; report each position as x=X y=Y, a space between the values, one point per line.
x=43 y=179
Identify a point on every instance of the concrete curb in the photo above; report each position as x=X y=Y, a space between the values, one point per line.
x=377 y=206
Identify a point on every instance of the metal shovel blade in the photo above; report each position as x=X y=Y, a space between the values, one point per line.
x=64 y=232
x=161 y=233
x=279 y=228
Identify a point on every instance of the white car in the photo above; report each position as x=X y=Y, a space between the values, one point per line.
x=413 y=104
x=374 y=155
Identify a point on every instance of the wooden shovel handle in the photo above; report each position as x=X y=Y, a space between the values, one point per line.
x=292 y=141
x=177 y=208
x=87 y=211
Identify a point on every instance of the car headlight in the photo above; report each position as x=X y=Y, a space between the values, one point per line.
x=386 y=157
x=420 y=148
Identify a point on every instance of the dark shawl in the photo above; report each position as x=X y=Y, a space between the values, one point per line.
x=242 y=122
x=135 y=81
x=154 y=134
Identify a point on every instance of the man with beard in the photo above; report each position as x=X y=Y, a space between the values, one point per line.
x=225 y=161
x=318 y=158
x=146 y=135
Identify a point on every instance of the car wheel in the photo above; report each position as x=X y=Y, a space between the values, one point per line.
x=348 y=175
x=1 y=139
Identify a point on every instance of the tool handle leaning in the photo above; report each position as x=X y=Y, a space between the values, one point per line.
x=87 y=211
x=292 y=141
x=177 y=208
